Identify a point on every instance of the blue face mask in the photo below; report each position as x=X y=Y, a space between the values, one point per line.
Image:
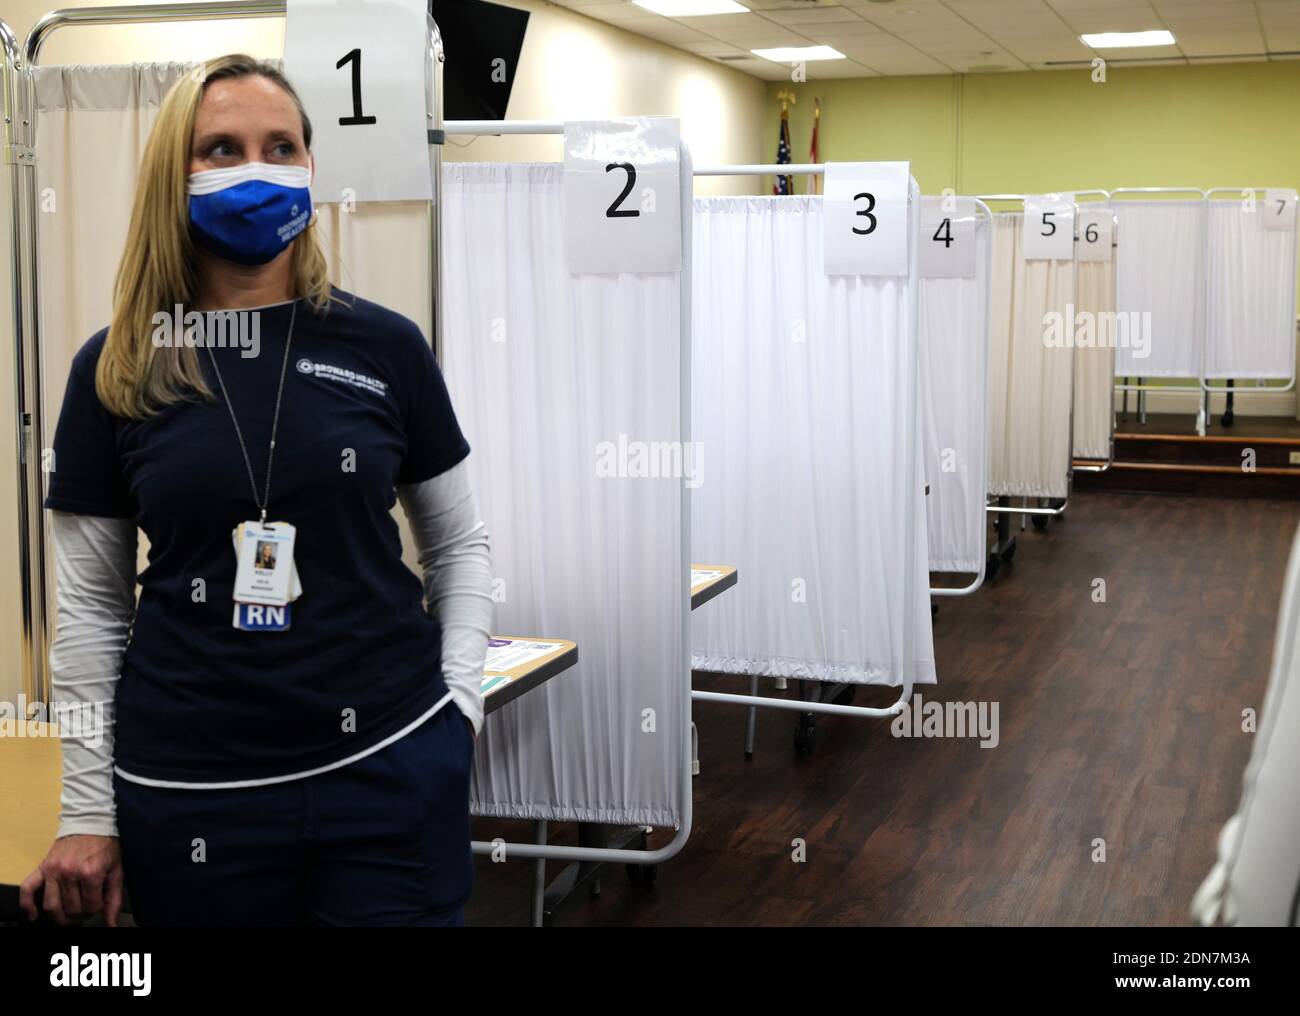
x=249 y=213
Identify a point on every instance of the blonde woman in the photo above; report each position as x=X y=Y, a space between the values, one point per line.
x=286 y=744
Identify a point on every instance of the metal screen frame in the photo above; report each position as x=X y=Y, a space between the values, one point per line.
x=1027 y=509
x=754 y=700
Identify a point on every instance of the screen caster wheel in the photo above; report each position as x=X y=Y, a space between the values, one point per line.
x=805 y=735
x=643 y=874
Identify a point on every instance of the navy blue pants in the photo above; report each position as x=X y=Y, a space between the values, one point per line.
x=384 y=840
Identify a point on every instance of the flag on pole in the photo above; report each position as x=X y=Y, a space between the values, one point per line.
x=814 y=156
x=784 y=184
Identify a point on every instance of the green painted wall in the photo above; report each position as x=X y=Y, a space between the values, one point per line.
x=1203 y=126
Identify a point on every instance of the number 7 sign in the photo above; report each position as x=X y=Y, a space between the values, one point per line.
x=1279 y=210
x=360 y=67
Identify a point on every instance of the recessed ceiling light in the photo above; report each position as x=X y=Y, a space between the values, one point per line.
x=1123 y=40
x=793 y=54
x=690 y=8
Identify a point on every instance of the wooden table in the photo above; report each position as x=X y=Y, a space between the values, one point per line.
x=539 y=661
x=708 y=580
x=30 y=775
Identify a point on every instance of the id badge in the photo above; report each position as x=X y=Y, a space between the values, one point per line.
x=257 y=617
x=265 y=571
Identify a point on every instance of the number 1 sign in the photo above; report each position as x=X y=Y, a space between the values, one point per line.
x=360 y=68
x=623 y=196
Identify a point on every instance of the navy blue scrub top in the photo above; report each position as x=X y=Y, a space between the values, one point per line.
x=364 y=408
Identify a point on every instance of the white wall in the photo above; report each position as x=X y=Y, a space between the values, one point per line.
x=571 y=68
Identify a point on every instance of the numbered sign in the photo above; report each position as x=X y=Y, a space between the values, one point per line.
x=1049 y=227
x=1096 y=234
x=948 y=238
x=622 y=196
x=1279 y=209
x=865 y=218
x=359 y=68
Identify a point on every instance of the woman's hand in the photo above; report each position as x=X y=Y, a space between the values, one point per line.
x=82 y=876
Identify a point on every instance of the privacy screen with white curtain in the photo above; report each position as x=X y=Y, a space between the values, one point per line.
x=1251 y=294
x=1029 y=381
x=1160 y=277
x=568 y=388
x=799 y=391
x=1094 y=365
x=953 y=346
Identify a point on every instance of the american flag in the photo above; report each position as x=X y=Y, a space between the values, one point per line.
x=814 y=153
x=784 y=184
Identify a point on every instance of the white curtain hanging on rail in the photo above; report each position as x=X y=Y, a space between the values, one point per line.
x=1094 y=366
x=1160 y=279
x=556 y=379
x=799 y=395
x=1029 y=381
x=1251 y=294
x=954 y=407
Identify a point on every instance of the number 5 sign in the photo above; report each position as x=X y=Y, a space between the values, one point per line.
x=360 y=68
x=623 y=196
x=864 y=218
x=1049 y=227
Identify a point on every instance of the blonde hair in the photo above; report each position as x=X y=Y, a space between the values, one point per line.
x=159 y=267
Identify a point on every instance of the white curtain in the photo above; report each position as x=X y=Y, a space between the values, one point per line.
x=92 y=126
x=1160 y=272
x=799 y=395
x=1094 y=366
x=548 y=373
x=1029 y=381
x=1258 y=870
x=952 y=339
x=1251 y=305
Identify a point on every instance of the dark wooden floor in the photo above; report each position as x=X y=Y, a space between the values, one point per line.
x=1185 y=423
x=1119 y=721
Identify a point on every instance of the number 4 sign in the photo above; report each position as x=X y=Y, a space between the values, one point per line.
x=947 y=238
x=360 y=69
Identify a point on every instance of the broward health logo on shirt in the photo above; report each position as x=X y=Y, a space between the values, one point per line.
x=350 y=377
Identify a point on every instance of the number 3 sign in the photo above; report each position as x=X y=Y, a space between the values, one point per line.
x=864 y=218
x=623 y=196
x=360 y=68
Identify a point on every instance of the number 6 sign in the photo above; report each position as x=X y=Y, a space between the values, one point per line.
x=360 y=68
x=623 y=196
x=864 y=218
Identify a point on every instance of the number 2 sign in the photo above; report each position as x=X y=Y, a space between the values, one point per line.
x=623 y=196
x=360 y=70
x=864 y=218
